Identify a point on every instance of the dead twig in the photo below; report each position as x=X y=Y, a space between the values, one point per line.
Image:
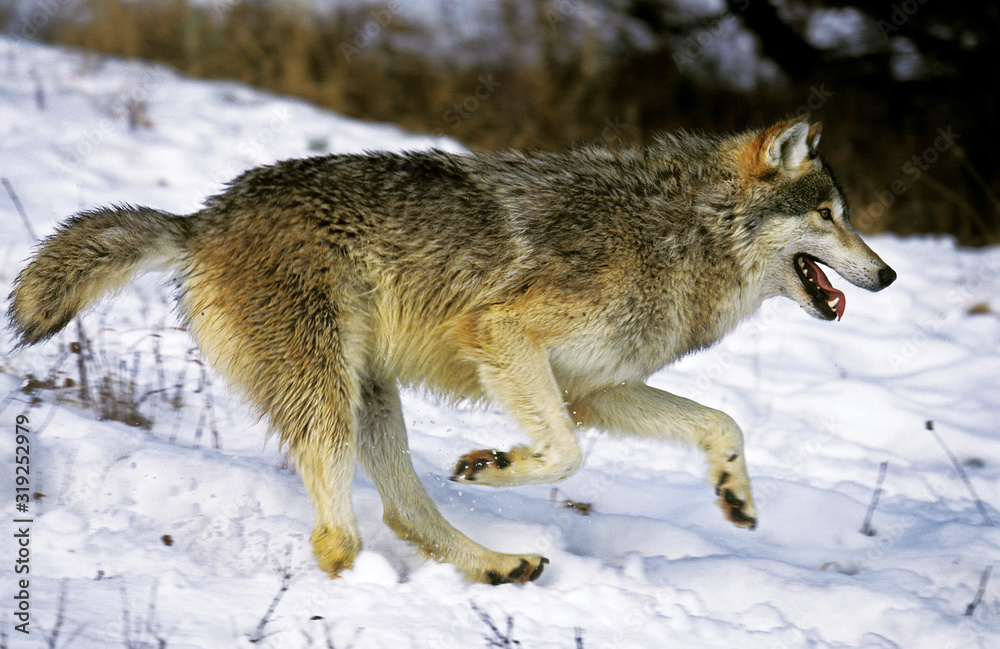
x=286 y=581
x=20 y=208
x=51 y=637
x=961 y=473
x=980 y=591
x=584 y=509
x=498 y=639
x=866 y=526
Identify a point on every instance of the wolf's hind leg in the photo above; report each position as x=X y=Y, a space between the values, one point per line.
x=638 y=409
x=314 y=416
x=317 y=419
x=297 y=368
x=408 y=510
x=327 y=471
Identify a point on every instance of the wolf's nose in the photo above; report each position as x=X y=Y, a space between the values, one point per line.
x=886 y=276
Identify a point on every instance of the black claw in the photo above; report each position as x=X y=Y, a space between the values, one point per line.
x=517 y=574
x=518 y=571
x=538 y=571
x=737 y=516
x=722 y=480
x=466 y=470
x=735 y=513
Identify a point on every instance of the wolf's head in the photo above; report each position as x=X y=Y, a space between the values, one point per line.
x=796 y=218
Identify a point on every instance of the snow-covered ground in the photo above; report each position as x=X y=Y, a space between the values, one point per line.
x=155 y=534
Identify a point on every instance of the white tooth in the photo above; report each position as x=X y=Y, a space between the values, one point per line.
x=834 y=302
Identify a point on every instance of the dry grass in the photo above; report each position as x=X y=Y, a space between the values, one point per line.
x=350 y=61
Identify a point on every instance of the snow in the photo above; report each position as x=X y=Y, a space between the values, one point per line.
x=157 y=534
x=846 y=30
x=722 y=51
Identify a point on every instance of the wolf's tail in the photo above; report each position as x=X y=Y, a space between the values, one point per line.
x=90 y=255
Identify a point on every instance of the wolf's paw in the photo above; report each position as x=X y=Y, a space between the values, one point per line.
x=335 y=549
x=516 y=570
x=497 y=468
x=518 y=466
x=478 y=465
x=735 y=501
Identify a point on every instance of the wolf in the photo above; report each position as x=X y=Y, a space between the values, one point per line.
x=550 y=285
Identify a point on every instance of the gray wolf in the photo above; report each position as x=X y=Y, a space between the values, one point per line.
x=550 y=285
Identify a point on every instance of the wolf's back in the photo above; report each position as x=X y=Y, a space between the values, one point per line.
x=91 y=254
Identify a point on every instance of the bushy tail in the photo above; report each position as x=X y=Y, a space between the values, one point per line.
x=88 y=256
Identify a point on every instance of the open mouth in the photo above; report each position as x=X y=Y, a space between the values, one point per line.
x=829 y=301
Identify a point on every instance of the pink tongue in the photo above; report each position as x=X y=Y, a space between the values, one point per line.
x=830 y=292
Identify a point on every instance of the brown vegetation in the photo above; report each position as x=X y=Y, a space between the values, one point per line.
x=888 y=149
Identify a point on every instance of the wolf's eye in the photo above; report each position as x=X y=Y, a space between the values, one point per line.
x=825 y=213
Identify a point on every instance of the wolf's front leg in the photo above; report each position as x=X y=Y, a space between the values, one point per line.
x=637 y=409
x=408 y=510
x=515 y=373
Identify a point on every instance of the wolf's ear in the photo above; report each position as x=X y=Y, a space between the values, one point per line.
x=813 y=139
x=786 y=145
